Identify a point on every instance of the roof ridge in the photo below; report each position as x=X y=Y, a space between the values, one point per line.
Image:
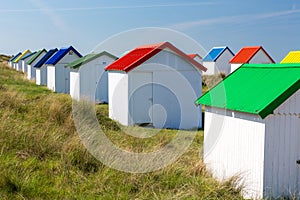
x=144 y=56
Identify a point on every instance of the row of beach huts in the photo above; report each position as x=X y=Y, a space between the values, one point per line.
x=252 y=117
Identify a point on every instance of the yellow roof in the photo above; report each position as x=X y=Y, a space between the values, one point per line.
x=292 y=57
x=22 y=55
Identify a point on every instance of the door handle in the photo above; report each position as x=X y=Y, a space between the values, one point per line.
x=298 y=162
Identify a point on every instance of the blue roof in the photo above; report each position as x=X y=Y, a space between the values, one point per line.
x=45 y=58
x=13 y=58
x=27 y=56
x=60 y=54
x=215 y=53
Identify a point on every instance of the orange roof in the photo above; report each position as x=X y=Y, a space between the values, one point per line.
x=143 y=53
x=247 y=53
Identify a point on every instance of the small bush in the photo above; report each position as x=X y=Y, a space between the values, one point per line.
x=211 y=80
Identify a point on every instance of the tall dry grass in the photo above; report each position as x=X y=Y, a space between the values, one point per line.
x=42 y=157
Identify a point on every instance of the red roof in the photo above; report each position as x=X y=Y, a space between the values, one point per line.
x=194 y=56
x=143 y=53
x=247 y=53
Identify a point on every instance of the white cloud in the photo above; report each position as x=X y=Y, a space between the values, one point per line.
x=42 y=7
x=56 y=20
x=231 y=19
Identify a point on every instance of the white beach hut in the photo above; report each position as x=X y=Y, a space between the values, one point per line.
x=58 y=76
x=41 y=68
x=31 y=72
x=88 y=79
x=10 y=62
x=24 y=61
x=16 y=61
x=251 y=54
x=252 y=129
x=217 y=61
x=155 y=84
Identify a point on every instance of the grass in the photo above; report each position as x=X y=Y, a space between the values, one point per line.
x=42 y=157
x=209 y=81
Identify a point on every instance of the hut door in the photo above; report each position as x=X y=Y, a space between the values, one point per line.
x=141 y=98
x=67 y=80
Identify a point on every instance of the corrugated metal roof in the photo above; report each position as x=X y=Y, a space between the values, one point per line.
x=215 y=53
x=22 y=55
x=35 y=56
x=292 y=57
x=255 y=88
x=87 y=58
x=60 y=54
x=45 y=58
x=28 y=56
x=15 y=57
x=142 y=53
x=246 y=54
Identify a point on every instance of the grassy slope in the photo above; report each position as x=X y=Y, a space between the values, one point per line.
x=41 y=156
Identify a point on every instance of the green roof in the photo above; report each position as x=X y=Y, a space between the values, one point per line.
x=35 y=56
x=254 y=88
x=89 y=57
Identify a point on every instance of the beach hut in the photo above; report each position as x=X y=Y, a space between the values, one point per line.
x=292 y=57
x=217 y=60
x=251 y=54
x=31 y=72
x=251 y=129
x=16 y=61
x=155 y=85
x=88 y=79
x=58 y=76
x=41 y=68
x=23 y=62
x=10 y=62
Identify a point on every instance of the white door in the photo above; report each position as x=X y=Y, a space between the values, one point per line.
x=141 y=97
x=101 y=86
x=67 y=80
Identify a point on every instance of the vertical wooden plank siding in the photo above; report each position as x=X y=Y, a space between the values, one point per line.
x=238 y=149
x=281 y=173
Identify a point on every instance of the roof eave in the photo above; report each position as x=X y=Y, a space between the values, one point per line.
x=279 y=100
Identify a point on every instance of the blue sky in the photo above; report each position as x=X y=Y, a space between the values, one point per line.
x=35 y=24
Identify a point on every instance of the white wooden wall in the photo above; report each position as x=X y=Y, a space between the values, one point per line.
x=282 y=150
x=24 y=66
x=234 y=146
x=51 y=77
x=222 y=63
x=32 y=70
x=260 y=57
x=41 y=75
x=210 y=68
x=173 y=103
x=62 y=74
x=74 y=84
x=118 y=96
x=38 y=76
x=94 y=79
x=234 y=66
x=29 y=72
x=19 y=66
